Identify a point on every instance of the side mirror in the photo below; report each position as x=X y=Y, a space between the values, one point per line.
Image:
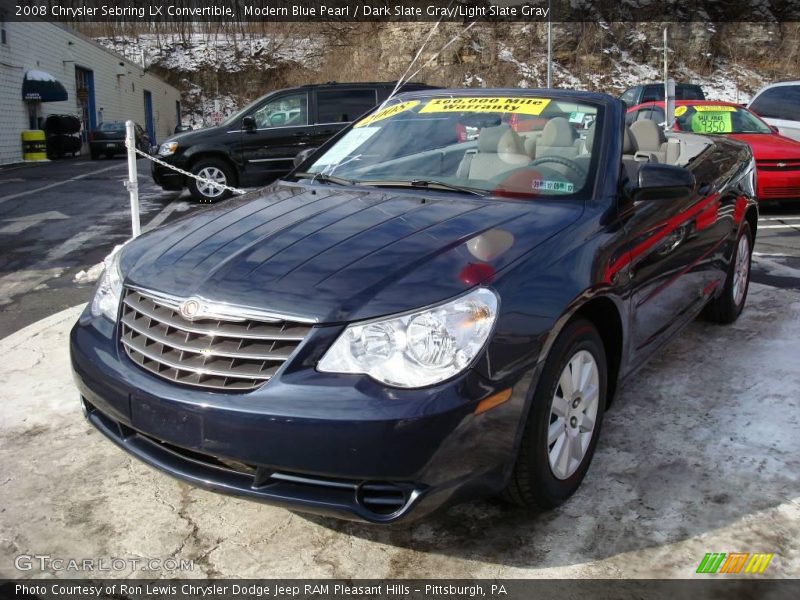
x=662 y=182
x=774 y=129
x=249 y=124
x=302 y=156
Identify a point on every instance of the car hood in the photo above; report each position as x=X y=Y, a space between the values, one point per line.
x=338 y=254
x=195 y=135
x=769 y=145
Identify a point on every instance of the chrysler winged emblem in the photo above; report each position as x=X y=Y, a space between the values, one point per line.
x=190 y=309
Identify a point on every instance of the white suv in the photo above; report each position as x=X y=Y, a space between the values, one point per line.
x=779 y=105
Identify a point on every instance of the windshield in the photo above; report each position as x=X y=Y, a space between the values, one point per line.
x=522 y=146
x=718 y=119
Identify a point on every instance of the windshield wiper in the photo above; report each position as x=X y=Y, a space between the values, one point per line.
x=325 y=178
x=426 y=184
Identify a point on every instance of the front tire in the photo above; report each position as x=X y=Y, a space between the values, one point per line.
x=564 y=421
x=216 y=171
x=728 y=306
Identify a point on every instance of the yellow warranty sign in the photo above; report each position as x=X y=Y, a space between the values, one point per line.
x=518 y=105
x=679 y=110
x=387 y=112
x=709 y=108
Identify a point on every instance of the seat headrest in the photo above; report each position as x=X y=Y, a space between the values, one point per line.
x=628 y=146
x=590 y=137
x=501 y=140
x=558 y=132
x=647 y=135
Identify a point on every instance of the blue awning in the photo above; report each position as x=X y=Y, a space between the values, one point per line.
x=39 y=86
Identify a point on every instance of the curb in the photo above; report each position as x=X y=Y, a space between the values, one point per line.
x=17 y=338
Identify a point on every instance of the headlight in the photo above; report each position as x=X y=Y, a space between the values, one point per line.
x=167 y=148
x=419 y=348
x=109 y=290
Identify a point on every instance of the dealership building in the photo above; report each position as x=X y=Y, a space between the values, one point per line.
x=49 y=69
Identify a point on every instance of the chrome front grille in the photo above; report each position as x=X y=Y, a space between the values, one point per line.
x=225 y=348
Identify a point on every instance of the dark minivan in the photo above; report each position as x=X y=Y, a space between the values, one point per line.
x=654 y=92
x=258 y=144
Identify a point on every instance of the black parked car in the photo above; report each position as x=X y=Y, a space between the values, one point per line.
x=410 y=320
x=259 y=143
x=653 y=92
x=109 y=139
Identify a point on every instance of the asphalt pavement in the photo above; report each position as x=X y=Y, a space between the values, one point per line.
x=58 y=218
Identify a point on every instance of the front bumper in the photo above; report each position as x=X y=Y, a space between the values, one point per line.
x=778 y=185
x=167 y=178
x=342 y=446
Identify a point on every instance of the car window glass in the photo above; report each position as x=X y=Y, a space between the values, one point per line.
x=342 y=106
x=653 y=93
x=523 y=147
x=689 y=92
x=710 y=119
x=112 y=126
x=285 y=111
x=629 y=96
x=781 y=102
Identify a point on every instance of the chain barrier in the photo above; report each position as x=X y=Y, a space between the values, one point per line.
x=203 y=180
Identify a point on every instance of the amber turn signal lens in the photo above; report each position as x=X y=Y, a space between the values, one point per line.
x=492 y=401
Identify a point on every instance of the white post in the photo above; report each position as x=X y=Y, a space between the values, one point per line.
x=133 y=182
x=549 y=45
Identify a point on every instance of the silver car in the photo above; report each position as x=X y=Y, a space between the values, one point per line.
x=779 y=105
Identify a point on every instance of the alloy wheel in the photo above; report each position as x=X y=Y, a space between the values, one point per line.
x=741 y=269
x=573 y=414
x=212 y=188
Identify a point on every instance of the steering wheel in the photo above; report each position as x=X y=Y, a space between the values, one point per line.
x=560 y=160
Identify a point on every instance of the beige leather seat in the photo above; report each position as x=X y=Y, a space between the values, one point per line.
x=558 y=139
x=651 y=143
x=500 y=149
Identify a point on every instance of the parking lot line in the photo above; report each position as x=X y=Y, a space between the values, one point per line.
x=58 y=183
x=779 y=218
x=787 y=226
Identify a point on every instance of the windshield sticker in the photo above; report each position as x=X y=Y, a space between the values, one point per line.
x=680 y=110
x=709 y=108
x=709 y=122
x=387 y=112
x=523 y=106
x=545 y=185
x=576 y=117
x=346 y=146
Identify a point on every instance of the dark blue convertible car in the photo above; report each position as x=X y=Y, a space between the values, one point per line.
x=437 y=304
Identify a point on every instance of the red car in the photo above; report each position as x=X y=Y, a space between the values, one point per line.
x=777 y=157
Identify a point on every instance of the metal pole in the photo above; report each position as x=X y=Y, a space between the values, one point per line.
x=666 y=70
x=549 y=45
x=133 y=182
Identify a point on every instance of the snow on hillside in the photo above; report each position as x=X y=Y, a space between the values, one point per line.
x=191 y=54
x=220 y=51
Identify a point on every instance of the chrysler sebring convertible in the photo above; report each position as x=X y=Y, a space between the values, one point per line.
x=414 y=317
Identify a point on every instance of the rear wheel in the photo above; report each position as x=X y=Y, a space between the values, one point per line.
x=727 y=307
x=564 y=421
x=217 y=173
